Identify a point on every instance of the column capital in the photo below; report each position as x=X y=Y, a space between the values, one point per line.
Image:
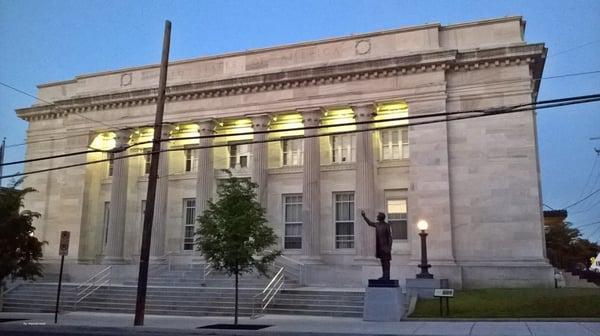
x=364 y=111
x=260 y=121
x=311 y=116
x=206 y=126
x=122 y=137
x=166 y=129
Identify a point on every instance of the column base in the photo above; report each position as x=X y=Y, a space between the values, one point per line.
x=109 y=260
x=370 y=261
x=157 y=259
x=313 y=260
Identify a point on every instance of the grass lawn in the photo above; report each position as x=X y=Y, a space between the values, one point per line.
x=515 y=303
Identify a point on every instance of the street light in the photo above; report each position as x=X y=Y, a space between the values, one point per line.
x=423 y=225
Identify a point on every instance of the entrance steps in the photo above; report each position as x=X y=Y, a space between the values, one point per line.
x=186 y=301
x=39 y=298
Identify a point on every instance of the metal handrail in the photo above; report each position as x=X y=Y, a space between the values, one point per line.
x=96 y=281
x=268 y=294
x=166 y=261
x=293 y=268
x=206 y=271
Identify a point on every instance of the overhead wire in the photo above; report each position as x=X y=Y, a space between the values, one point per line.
x=517 y=108
x=583 y=199
x=53 y=104
x=490 y=112
x=112 y=128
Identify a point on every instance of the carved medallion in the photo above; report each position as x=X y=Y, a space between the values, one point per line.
x=126 y=79
x=363 y=47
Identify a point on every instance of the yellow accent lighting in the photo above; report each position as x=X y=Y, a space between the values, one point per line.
x=391 y=111
x=104 y=141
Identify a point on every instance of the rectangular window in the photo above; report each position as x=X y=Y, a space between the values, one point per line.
x=292 y=214
x=106 y=220
x=344 y=220
x=398 y=218
x=189 y=223
x=292 y=150
x=147 y=159
x=343 y=148
x=394 y=143
x=111 y=163
x=190 y=159
x=238 y=156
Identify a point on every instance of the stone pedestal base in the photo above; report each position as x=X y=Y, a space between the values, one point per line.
x=423 y=288
x=384 y=304
x=113 y=261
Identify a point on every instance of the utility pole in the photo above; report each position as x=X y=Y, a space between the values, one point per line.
x=596 y=149
x=2 y=159
x=140 y=304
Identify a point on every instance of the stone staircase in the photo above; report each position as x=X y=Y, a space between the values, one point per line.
x=185 y=292
x=39 y=298
x=185 y=276
x=576 y=281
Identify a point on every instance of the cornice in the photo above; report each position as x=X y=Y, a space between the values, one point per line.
x=444 y=60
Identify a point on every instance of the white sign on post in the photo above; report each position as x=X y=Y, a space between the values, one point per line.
x=63 y=248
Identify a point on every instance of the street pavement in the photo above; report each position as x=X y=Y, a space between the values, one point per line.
x=97 y=324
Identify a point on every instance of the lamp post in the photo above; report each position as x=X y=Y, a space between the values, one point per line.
x=423 y=225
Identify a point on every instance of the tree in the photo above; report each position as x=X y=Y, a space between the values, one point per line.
x=233 y=234
x=566 y=248
x=19 y=250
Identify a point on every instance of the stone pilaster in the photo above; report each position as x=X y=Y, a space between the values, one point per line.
x=364 y=195
x=113 y=251
x=206 y=170
x=260 y=158
x=311 y=188
x=157 y=246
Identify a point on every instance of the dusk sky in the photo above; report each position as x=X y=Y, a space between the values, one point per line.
x=47 y=41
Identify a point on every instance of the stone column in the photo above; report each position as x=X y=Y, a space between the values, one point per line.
x=206 y=170
x=364 y=196
x=113 y=251
x=157 y=245
x=260 y=158
x=311 y=188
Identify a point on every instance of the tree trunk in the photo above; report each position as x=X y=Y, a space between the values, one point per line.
x=235 y=321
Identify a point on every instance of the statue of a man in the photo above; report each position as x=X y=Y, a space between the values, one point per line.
x=383 y=242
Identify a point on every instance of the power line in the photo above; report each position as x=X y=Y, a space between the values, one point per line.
x=573 y=48
x=445 y=119
x=547 y=206
x=583 y=190
x=544 y=104
x=588 y=224
x=583 y=199
x=515 y=108
x=53 y=104
x=114 y=129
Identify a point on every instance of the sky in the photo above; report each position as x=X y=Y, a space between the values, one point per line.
x=47 y=41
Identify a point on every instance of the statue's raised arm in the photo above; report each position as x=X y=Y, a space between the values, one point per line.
x=362 y=213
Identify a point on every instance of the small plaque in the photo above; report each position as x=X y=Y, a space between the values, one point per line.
x=443 y=292
x=63 y=247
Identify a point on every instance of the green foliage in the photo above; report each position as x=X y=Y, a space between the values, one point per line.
x=19 y=250
x=566 y=247
x=233 y=234
x=516 y=303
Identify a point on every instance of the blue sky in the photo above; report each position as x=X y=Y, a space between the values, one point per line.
x=45 y=41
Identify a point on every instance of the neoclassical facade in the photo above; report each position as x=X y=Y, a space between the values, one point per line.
x=326 y=129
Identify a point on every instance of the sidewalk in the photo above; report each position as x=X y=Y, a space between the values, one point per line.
x=87 y=323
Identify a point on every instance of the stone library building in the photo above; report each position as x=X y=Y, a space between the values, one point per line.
x=326 y=129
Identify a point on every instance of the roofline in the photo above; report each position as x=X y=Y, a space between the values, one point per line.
x=286 y=46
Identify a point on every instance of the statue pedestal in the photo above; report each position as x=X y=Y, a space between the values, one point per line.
x=384 y=301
